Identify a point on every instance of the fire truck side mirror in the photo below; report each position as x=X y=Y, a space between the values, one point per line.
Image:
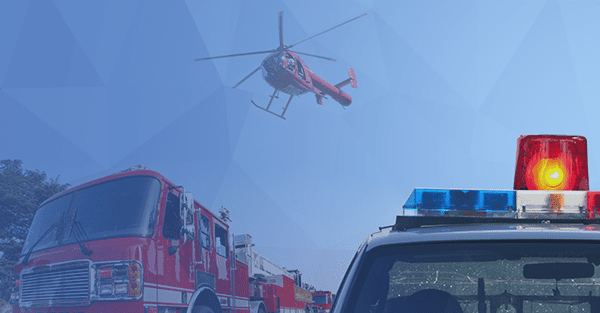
x=186 y=210
x=186 y=207
x=186 y=214
x=189 y=201
x=188 y=233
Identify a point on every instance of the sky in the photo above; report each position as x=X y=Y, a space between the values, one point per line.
x=444 y=90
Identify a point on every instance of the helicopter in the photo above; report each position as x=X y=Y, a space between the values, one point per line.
x=286 y=72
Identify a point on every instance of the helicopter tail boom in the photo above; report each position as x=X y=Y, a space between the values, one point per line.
x=334 y=91
x=351 y=80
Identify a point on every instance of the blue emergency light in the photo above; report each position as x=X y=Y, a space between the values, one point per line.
x=461 y=202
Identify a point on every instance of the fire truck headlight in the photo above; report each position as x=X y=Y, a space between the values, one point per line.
x=121 y=288
x=119 y=280
x=14 y=289
x=135 y=279
x=106 y=289
x=135 y=271
x=135 y=289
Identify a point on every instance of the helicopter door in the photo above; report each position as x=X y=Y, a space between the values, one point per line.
x=301 y=71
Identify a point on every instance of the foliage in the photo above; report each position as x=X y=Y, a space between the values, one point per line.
x=21 y=193
x=5 y=307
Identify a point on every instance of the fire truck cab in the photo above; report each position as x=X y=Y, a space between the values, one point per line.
x=129 y=242
x=321 y=301
x=272 y=288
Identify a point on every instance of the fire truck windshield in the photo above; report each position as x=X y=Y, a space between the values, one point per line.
x=516 y=276
x=320 y=299
x=125 y=207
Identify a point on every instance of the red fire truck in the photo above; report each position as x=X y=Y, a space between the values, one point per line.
x=135 y=242
x=321 y=301
x=272 y=288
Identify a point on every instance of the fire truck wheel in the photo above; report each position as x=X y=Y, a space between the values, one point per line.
x=202 y=309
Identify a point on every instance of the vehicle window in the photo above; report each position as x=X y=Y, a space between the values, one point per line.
x=204 y=238
x=291 y=63
x=47 y=215
x=119 y=208
x=320 y=299
x=221 y=240
x=124 y=207
x=172 y=223
x=301 y=71
x=463 y=277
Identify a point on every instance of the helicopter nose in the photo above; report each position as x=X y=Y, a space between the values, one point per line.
x=264 y=72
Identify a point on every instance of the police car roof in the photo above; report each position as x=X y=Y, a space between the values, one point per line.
x=513 y=230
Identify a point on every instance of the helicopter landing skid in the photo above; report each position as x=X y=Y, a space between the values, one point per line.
x=269 y=105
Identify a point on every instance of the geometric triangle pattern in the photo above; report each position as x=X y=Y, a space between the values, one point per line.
x=445 y=88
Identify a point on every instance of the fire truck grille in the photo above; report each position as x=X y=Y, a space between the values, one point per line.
x=56 y=285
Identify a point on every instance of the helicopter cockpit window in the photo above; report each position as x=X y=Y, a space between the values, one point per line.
x=301 y=71
x=291 y=63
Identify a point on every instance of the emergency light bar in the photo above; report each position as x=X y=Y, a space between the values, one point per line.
x=551 y=182
x=519 y=204
x=460 y=202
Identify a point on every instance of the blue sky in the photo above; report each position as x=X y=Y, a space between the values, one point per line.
x=445 y=89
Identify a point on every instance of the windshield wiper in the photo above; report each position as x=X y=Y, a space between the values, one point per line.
x=83 y=248
x=77 y=225
x=26 y=258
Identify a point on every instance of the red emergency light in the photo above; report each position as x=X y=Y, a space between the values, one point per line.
x=593 y=205
x=550 y=162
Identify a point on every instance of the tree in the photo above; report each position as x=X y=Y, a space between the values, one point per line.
x=21 y=193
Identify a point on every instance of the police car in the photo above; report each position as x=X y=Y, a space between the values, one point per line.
x=531 y=249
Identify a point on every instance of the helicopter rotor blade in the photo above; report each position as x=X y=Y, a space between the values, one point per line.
x=241 y=81
x=235 y=55
x=348 y=21
x=316 y=56
x=281 y=30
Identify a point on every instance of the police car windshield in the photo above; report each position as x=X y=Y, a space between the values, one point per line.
x=480 y=277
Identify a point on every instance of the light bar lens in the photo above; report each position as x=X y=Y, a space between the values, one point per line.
x=593 y=205
x=550 y=162
x=552 y=204
x=460 y=202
